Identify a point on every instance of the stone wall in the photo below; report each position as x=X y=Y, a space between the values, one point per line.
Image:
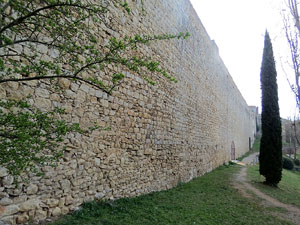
x=160 y=135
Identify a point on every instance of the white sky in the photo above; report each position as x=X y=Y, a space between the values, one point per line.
x=238 y=28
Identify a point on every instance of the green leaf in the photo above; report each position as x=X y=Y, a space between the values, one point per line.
x=117 y=77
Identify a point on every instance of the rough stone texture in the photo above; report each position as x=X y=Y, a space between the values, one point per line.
x=56 y=212
x=159 y=135
x=5 y=201
x=9 y=210
x=41 y=215
x=29 y=205
x=23 y=218
x=3 y=172
x=7 y=220
x=32 y=189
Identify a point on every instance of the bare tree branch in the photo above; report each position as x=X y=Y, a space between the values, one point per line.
x=36 y=11
x=54 y=77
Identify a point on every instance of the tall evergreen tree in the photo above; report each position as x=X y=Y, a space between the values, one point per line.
x=270 y=157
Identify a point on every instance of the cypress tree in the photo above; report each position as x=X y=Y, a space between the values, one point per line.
x=270 y=157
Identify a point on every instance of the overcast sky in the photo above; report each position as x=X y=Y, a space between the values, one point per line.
x=238 y=28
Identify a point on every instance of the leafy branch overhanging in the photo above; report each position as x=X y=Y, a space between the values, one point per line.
x=69 y=31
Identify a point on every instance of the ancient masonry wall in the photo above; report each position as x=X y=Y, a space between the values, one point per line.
x=160 y=135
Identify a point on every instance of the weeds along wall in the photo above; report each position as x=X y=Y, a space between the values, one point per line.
x=160 y=135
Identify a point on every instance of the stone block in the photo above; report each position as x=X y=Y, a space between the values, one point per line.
x=69 y=200
x=15 y=95
x=8 y=220
x=3 y=172
x=85 y=88
x=8 y=210
x=65 y=184
x=4 y=195
x=29 y=205
x=41 y=92
x=52 y=202
x=32 y=189
x=5 y=201
x=99 y=195
x=97 y=162
x=22 y=219
x=56 y=212
x=40 y=215
x=8 y=180
x=42 y=103
x=43 y=49
x=64 y=83
x=54 y=53
x=65 y=210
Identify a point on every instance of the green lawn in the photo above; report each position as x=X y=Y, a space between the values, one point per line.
x=210 y=199
x=256 y=144
x=288 y=190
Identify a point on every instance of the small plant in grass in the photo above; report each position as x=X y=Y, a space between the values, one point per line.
x=297 y=162
x=287 y=164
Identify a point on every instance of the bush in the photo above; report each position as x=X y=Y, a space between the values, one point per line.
x=287 y=164
x=297 y=162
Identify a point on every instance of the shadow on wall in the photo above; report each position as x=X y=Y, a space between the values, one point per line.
x=232 y=150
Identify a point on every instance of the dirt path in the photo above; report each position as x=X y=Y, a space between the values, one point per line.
x=240 y=183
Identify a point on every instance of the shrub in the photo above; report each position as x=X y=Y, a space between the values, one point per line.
x=287 y=164
x=297 y=162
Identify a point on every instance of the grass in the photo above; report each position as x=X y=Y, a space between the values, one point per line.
x=288 y=190
x=209 y=199
x=256 y=145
